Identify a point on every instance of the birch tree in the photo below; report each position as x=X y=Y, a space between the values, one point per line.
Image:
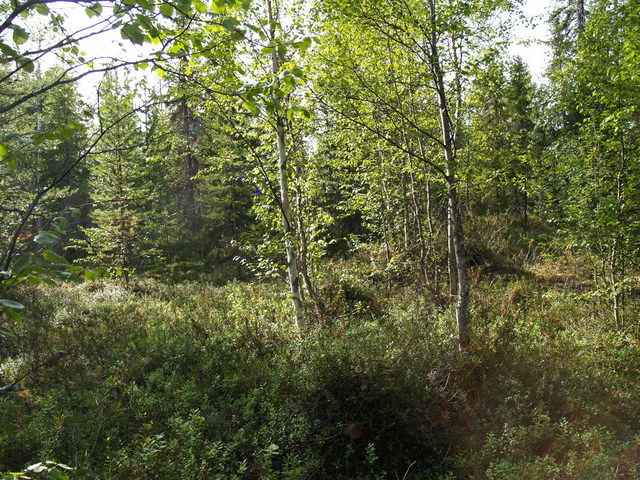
x=599 y=148
x=437 y=40
x=283 y=162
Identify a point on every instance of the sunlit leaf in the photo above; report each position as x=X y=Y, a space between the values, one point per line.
x=133 y=33
x=93 y=10
x=54 y=257
x=37 y=467
x=42 y=8
x=22 y=263
x=166 y=9
x=4 y=302
x=146 y=5
x=218 y=7
x=20 y=35
x=46 y=239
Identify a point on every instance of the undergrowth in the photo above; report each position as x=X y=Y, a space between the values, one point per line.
x=195 y=381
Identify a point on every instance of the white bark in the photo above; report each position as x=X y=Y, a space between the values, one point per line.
x=456 y=235
x=285 y=203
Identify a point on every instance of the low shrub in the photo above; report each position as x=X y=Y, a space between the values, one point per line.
x=196 y=381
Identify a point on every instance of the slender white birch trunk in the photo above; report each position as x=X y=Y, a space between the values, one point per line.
x=285 y=203
x=456 y=235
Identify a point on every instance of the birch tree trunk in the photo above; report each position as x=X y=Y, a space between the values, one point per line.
x=292 y=257
x=456 y=234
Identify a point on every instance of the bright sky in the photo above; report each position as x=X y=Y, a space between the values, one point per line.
x=528 y=38
x=103 y=47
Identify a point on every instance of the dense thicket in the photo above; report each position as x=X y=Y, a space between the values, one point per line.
x=422 y=197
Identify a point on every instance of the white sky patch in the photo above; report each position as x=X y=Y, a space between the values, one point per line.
x=529 y=37
x=528 y=40
x=102 y=49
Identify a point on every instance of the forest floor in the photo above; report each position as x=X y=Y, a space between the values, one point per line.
x=197 y=381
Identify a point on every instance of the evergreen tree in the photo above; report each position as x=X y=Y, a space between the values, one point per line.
x=123 y=185
x=41 y=175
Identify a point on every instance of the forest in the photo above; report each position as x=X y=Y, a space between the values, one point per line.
x=318 y=239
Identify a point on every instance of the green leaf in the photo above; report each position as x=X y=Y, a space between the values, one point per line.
x=303 y=45
x=3 y=150
x=289 y=80
x=8 y=51
x=12 y=162
x=70 y=276
x=75 y=125
x=146 y=23
x=36 y=269
x=238 y=35
x=229 y=25
x=184 y=5
x=42 y=9
x=7 y=332
x=66 y=132
x=11 y=304
x=94 y=10
x=57 y=475
x=218 y=7
x=133 y=33
x=166 y=9
x=89 y=275
x=41 y=279
x=46 y=239
x=102 y=272
x=60 y=224
x=54 y=257
x=23 y=262
x=257 y=30
x=26 y=64
x=20 y=35
x=14 y=315
x=199 y=6
x=146 y=5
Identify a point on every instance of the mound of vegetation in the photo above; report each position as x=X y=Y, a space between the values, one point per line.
x=202 y=382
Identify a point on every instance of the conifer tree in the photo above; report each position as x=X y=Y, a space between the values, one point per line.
x=123 y=190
